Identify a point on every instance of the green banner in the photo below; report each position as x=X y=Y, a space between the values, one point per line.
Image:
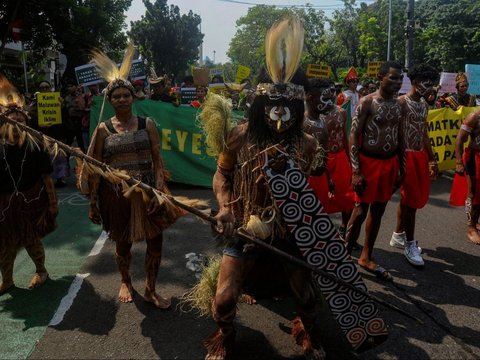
x=181 y=142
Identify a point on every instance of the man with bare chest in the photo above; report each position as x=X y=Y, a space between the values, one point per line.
x=374 y=155
x=420 y=164
x=468 y=162
x=327 y=122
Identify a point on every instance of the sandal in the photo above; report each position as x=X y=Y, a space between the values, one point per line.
x=379 y=272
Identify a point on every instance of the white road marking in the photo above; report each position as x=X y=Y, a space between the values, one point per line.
x=67 y=300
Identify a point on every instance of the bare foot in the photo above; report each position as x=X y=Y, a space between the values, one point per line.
x=473 y=235
x=125 y=293
x=38 y=279
x=5 y=286
x=249 y=299
x=157 y=300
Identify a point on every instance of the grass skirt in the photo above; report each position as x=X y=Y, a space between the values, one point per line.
x=24 y=217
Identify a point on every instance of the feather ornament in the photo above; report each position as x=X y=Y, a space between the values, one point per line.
x=107 y=68
x=215 y=120
x=283 y=49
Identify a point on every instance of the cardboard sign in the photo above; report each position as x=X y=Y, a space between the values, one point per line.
x=373 y=68
x=87 y=75
x=473 y=75
x=447 y=83
x=49 y=109
x=318 y=71
x=243 y=72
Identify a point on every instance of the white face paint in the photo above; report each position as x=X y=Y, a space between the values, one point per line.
x=325 y=99
x=424 y=88
x=285 y=117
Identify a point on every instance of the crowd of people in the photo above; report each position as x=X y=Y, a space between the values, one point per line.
x=293 y=125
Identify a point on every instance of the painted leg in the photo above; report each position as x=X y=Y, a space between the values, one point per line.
x=472 y=219
x=7 y=260
x=229 y=287
x=124 y=258
x=359 y=214
x=36 y=252
x=153 y=258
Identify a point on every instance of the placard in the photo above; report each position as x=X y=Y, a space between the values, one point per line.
x=373 y=68
x=318 y=71
x=49 y=109
x=473 y=76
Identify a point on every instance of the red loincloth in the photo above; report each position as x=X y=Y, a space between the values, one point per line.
x=416 y=183
x=341 y=173
x=459 y=191
x=380 y=176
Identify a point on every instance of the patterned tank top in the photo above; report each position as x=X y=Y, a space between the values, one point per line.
x=130 y=151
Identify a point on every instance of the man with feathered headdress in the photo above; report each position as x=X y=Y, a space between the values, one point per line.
x=27 y=193
x=461 y=98
x=251 y=156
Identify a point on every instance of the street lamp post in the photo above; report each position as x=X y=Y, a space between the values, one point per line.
x=214 y=56
x=389 y=43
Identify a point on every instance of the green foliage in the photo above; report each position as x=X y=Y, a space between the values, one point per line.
x=167 y=39
x=74 y=26
x=450 y=36
x=247 y=47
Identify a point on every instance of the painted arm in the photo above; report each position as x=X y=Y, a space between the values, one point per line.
x=467 y=126
x=52 y=194
x=358 y=124
x=432 y=163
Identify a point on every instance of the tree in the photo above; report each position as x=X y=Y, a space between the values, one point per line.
x=344 y=26
x=168 y=40
x=450 y=37
x=247 y=46
x=75 y=27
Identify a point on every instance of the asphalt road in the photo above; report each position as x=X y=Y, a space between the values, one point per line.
x=444 y=296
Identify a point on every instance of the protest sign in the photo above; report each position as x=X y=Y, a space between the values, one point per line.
x=447 y=83
x=243 y=72
x=373 y=68
x=87 y=75
x=188 y=94
x=406 y=84
x=49 y=109
x=138 y=70
x=473 y=75
x=318 y=71
x=443 y=126
x=217 y=88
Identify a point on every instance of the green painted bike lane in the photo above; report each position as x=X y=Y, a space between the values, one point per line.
x=25 y=314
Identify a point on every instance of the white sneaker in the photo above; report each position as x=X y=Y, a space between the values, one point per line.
x=398 y=240
x=412 y=253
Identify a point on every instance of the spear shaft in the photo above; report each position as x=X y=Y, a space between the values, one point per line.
x=241 y=233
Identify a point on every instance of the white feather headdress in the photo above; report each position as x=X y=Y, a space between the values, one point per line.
x=107 y=69
x=283 y=51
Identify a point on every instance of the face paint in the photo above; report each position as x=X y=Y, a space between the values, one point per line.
x=325 y=99
x=424 y=88
x=279 y=118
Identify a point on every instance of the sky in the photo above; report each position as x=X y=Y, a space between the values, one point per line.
x=219 y=17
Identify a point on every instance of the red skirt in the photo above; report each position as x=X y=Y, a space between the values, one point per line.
x=459 y=191
x=341 y=173
x=416 y=183
x=380 y=176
